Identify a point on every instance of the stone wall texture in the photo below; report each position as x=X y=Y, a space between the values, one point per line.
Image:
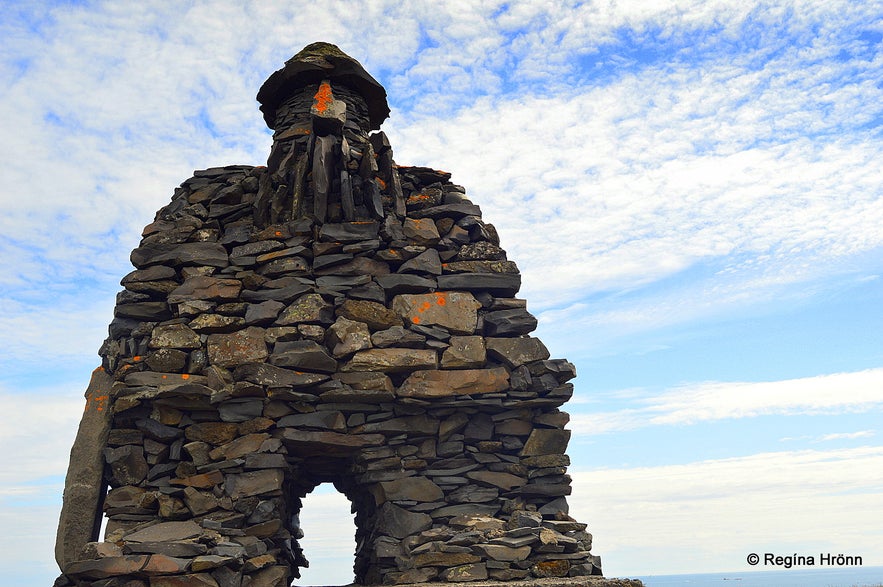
x=330 y=317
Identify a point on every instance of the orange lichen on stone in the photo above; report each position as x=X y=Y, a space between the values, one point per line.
x=441 y=299
x=323 y=98
x=381 y=183
x=97 y=403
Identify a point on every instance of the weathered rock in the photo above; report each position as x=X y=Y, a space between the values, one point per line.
x=391 y=360
x=375 y=315
x=106 y=567
x=509 y=322
x=167 y=359
x=189 y=580
x=546 y=441
x=398 y=336
x=504 y=481
x=241 y=410
x=263 y=313
x=170 y=548
x=349 y=231
x=412 y=576
x=515 y=352
x=285 y=294
x=174 y=336
x=216 y=433
x=319 y=443
x=273 y=376
x=230 y=350
x=399 y=522
x=402 y=283
x=498 y=552
x=84 y=484
x=323 y=420
x=465 y=352
x=303 y=354
x=348 y=336
x=166 y=532
x=430 y=384
x=204 y=287
x=253 y=483
x=203 y=480
x=127 y=464
x=160 y=564
x=158 y=431
x=551 y=568
x=239 y=447
x=309 y=308
x=496 y=284
x=418 y=489
x=421 y=231
x=427 y=262
x=366 y=380
x=476 y=521
x=152 y=311
x=201 y=253
x=456 y=311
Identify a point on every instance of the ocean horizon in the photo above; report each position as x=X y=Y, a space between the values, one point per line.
x=802 y=577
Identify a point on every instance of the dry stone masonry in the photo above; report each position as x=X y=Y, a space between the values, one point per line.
x=331 y=317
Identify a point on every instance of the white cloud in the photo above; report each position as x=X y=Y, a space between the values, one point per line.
x=708 y=516
x=701 y=402
x=54 y=333
x=28 y=543
x=595 y=188
x=621 y=186
x=847 y=435
x=37 y=435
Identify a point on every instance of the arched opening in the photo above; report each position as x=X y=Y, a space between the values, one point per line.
x=328 y=541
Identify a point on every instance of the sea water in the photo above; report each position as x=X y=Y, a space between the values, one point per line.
x=842 y=577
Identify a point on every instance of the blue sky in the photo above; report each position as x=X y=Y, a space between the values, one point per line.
x=692 y=191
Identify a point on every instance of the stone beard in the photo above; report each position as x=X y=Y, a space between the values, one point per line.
x=331 y=317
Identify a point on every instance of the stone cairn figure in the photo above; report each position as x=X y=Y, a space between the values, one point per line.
x=331 y=317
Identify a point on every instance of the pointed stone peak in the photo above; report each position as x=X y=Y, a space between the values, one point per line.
x=314 y=63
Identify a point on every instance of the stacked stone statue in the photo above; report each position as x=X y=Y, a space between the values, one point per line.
x=331 y=317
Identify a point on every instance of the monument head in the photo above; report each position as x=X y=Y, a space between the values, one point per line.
x=313 y=64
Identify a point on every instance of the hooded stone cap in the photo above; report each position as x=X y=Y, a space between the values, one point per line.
x=317 y=62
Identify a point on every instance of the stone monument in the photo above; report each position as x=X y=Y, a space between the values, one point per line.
x=331 y=317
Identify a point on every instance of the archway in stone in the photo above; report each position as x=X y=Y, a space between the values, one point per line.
x=328 y=540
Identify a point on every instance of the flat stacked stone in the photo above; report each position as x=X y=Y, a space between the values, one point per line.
x=272 y=338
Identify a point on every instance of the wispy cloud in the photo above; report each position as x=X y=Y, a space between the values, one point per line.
x=702 y=402
x=37 y=438
x=714 y=155
x=724 y=509
x=847 y=435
